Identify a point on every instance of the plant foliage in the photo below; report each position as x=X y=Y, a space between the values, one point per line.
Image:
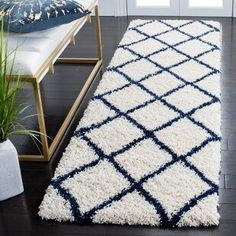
x=10 y=108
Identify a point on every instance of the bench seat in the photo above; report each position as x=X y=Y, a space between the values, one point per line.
x=33 y=49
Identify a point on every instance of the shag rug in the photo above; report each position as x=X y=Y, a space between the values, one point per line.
x=147 y=150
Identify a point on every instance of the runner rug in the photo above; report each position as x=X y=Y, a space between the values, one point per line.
x=147 y=150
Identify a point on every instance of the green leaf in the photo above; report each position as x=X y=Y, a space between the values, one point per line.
x=11 y=111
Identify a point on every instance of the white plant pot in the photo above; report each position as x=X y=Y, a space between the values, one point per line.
x=10 y=175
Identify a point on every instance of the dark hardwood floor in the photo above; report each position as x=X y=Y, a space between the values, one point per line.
x=18 y=216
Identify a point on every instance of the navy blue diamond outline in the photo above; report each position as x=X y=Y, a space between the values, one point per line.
x=166 y=222
x=146 y=36
x=167 y=68
x=173 y=28
x=83 y=129
x=173 y=47
x=158 y=34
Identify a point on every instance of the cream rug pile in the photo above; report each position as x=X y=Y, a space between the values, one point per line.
x=147 y=150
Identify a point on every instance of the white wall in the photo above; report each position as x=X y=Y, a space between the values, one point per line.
x=118 y=8
x=234 y=10
x=112 y=7
x=106 y=7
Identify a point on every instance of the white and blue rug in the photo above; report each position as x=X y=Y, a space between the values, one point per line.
x=147 y=150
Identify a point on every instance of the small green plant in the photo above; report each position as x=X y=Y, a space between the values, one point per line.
x=11 y=110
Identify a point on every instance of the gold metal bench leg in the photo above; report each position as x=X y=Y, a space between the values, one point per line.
x=41 y=121
x=98 y=63
x=63 y=60
x=98 y=31
x=44 y=156
x=89 y=20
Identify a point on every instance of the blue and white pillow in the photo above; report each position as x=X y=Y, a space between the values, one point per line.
x=24 y=16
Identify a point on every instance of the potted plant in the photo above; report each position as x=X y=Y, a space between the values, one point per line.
x=10 y=112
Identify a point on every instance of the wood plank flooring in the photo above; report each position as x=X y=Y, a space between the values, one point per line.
x=18 y=216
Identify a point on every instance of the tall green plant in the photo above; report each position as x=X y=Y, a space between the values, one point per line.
x=10 y=108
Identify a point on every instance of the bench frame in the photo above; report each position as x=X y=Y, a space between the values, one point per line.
x=48 y=66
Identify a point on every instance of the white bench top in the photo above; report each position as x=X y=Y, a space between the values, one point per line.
x=33 y=49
